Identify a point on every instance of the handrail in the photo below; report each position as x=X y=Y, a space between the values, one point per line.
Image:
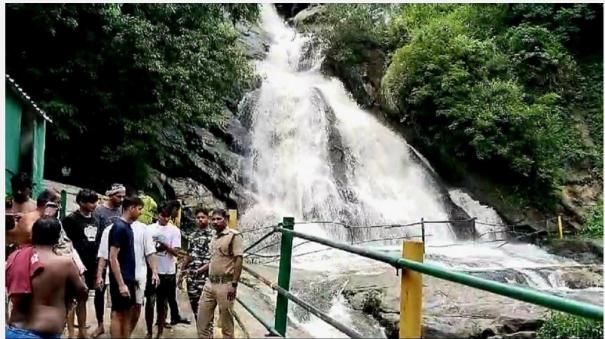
x=338 y=325
x=514 y=292
x=269 y=328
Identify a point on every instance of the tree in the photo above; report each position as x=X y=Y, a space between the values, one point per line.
x=116 y=78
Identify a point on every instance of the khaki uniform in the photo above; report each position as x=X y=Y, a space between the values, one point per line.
x=225 y=247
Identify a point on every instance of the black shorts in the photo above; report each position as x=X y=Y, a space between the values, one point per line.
x=118 y=302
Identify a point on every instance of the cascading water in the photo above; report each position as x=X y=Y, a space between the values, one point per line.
x=315 y=155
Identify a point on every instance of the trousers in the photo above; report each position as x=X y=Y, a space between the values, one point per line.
x=215 y=294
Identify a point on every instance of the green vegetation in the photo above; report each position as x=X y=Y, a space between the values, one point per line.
x=126 y=84
x=561 y=326
x=593 y=226
x=512 y=90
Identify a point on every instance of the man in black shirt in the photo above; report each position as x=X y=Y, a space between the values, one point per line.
x=84 y=228
x=122 y=268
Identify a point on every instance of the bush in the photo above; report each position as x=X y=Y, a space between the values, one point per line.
x=593 y=226
x=561 y=325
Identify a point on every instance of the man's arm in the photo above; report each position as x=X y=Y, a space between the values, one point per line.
x=237 y=268
x=80 y=289
x=204 y=268
x=116 y=271
x=152 y=260
x=100 y=270
x=116 y=237
x=103 y=256
x=238 y=253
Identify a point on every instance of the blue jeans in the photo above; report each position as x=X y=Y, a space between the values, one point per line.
x=19 y=333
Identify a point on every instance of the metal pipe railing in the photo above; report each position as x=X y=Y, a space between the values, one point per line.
x=269 y=328
x=338 y=325
x=514 y=292
x=261 y=239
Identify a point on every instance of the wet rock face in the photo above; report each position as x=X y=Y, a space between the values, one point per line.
x=208 y=170
x=586 y=251
x=289 y=10
x=193 y=193
x=337 y=150
x=254 y=40
x=449 y=310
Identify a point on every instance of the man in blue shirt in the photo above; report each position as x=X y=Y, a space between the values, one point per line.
x=122 y=283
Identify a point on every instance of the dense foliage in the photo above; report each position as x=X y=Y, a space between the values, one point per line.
x=117 y=78
x=561 y=325
x=513 y=90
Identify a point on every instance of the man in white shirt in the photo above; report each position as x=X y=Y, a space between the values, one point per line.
x=168 y=240
x=144 y=250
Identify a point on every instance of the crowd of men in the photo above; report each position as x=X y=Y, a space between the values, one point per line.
x=54 y=264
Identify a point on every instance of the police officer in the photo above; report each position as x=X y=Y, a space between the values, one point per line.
x=224 y=270
x=198 y=254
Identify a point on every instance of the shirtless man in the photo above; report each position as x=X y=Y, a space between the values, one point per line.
x=40 y=290
x=46 y=205
x=21 y=186
x=21 y=235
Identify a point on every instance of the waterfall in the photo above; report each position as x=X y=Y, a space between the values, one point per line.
x=316 y=156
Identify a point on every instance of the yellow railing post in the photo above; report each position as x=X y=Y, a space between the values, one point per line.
x=410 y=311
x=560 y=227
x=233 y=219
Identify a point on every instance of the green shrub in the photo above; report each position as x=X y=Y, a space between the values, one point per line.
x=561 y=325
x=593 y=226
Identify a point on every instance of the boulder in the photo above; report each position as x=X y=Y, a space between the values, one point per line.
x=521 y=335
x=308 y=16
x=580 y=279
x=586 y=251
x=510 y=325
x=254 y=39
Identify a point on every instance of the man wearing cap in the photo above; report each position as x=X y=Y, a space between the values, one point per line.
x=111 y=210
x=225 y=268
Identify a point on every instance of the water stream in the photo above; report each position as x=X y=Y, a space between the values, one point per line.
x=317 y=156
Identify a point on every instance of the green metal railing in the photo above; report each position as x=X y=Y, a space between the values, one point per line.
x=511 y=291
x=286 y=229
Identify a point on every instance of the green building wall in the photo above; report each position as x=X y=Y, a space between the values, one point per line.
x=12 y=123
x=38 y=159
x=13 y=127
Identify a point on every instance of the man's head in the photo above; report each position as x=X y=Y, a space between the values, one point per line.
x=46 y=232
x=116 y=194
x=201 y=217
x=21 y=185
x=164 y=212
x=87 y=200
x=219 y=218
x=48 y=203
x=131 y=208
x=173 y=206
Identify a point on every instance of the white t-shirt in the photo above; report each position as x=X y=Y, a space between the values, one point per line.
x=143 y=246
x=171 y=235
